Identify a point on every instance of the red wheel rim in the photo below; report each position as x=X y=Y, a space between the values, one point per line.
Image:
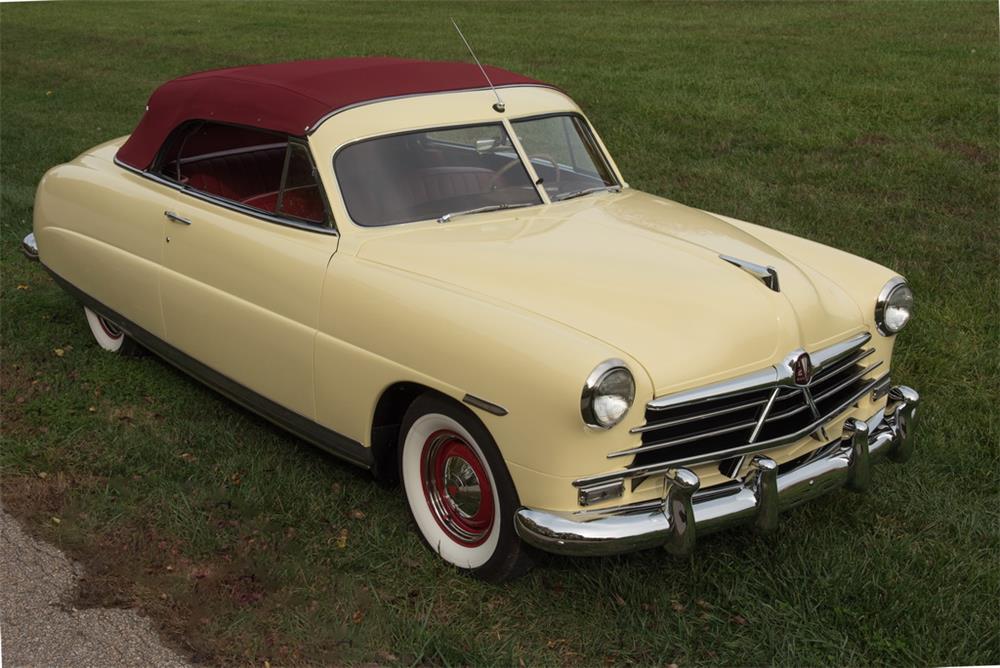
x=457 y=488
x=109 y=328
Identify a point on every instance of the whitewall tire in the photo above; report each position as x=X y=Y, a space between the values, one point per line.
x=110 y=336
x=458 y=489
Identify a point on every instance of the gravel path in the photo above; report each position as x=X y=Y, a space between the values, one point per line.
x=41 y=628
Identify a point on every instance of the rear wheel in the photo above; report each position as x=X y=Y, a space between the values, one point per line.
x=110 y=336
x=460 y=493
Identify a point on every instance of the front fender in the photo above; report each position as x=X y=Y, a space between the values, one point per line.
x=380 y=326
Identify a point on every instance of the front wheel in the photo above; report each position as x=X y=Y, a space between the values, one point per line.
x=459 y=491
x=110 y=336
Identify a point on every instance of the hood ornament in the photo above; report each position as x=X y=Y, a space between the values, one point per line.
x=766 y=275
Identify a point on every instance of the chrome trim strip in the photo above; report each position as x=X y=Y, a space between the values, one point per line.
x=299 y=425
x=756 y=380
x=684 y=512
x=763 y=415
x=838 y=351
x=833 y=368
x=853 y=379
x=653 y=426
x=482 y=404
x=719 y=455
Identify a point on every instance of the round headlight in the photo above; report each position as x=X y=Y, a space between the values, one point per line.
x=607 y=394
x=894 y=307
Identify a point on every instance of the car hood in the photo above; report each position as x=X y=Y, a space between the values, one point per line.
x=639 y=272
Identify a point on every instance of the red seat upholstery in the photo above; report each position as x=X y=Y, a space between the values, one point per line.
x=238 y=175
x=253 y=178
x=303 y=202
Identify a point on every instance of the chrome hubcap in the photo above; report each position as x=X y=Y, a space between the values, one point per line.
x=462 y=486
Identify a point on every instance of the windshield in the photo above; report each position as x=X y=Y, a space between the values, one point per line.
x=448 y=172
x=565 y=155
x=432 y=174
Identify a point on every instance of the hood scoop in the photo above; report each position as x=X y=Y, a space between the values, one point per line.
x=766 y=275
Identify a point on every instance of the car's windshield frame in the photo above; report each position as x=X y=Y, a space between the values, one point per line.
x=506 y=123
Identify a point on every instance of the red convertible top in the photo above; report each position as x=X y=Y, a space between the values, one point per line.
x=292 y=98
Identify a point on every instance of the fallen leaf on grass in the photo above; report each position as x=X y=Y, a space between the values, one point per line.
x=740 y=619
x=677 y=606
x=357 y=515
x=22 y=286
x=618 y=600
x=59 y=352
x=56 y=521
x=342 y=539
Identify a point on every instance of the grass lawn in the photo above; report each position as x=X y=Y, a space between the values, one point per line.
x=871 y=127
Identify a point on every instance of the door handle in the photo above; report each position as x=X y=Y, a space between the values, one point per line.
x=175 y=218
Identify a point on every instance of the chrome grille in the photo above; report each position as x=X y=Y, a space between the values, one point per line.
x=753 y=412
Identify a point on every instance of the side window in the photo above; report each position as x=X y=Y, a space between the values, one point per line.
x=300 y=196
x=247 y=167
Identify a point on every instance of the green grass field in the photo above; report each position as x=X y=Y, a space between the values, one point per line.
x=871 y=127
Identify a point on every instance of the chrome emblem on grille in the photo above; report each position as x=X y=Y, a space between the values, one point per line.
x=802 y=370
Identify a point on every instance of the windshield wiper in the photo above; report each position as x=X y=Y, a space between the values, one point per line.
x=587 y=191
x=482 y=209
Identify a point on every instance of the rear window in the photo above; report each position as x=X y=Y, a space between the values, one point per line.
x=258 y=170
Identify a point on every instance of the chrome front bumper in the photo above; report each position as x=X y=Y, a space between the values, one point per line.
x=683 y=512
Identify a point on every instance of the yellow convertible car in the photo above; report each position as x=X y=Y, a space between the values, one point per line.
x=437 y=271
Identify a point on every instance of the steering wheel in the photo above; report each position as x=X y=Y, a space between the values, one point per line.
x=492 y=184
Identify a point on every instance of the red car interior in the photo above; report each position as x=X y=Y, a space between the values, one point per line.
x=253 y=177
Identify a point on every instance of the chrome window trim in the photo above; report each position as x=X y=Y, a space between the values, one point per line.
x=883 y=300
x=330 y=229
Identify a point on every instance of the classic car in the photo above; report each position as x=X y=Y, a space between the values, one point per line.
x=438 y=272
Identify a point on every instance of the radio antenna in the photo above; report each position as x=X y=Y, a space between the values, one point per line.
x=499 y=107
